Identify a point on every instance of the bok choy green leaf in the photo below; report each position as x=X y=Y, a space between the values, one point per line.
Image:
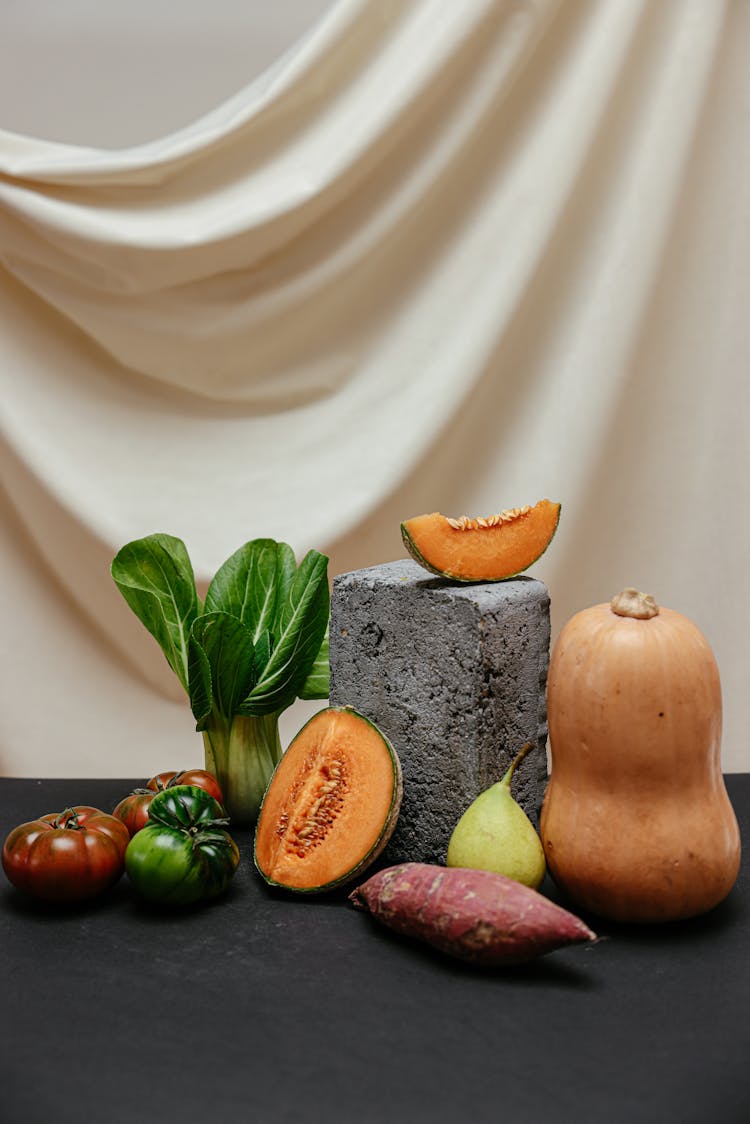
x=155 y=576
x=259 y=642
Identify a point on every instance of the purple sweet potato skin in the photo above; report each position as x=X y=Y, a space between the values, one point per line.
x=475 y=915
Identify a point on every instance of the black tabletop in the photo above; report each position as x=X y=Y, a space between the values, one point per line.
x=265 y=1007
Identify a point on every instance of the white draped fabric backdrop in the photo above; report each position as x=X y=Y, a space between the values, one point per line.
x=434 y=255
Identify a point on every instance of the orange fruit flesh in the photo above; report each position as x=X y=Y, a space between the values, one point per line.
x=482 y=553
x=328 y=803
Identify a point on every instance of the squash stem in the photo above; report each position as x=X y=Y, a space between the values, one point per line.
x=633 y=603
x=242 y=753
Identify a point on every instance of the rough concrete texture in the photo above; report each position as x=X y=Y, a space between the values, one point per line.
x=455 y=676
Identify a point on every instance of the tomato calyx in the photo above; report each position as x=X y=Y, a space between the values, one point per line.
x=175 y=781
x=160 y=785
x=196 y=828
x=190 y=829
x=69 y=820
x=206 y=831
x=199 y=836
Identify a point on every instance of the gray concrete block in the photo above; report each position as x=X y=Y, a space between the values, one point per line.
x=455 y=676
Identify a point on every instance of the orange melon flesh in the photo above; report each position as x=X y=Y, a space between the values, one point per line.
x=331 y=805
x=481 y=553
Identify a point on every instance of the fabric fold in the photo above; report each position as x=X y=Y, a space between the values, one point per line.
x=417 y=258
x=322 y=349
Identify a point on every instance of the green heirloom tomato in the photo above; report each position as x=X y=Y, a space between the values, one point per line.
x=183 y=854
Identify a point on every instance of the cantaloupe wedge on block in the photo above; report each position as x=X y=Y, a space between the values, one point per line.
x=487 y=548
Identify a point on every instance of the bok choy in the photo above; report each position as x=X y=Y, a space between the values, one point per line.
x=258 y=642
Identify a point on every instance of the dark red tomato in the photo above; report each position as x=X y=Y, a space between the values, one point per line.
x=198 y=777
x=66 y=856
x=133 y=810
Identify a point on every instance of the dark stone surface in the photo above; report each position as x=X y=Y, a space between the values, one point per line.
x=274 y=1009
x=454 y=675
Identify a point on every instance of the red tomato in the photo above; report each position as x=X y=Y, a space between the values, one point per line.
x=133 y=810
x=199 y=777
x=66 y=856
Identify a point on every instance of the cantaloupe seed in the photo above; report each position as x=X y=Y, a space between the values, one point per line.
x=323 y=803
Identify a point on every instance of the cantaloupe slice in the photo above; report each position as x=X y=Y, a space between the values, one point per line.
x=485 y=549
x=331 y=805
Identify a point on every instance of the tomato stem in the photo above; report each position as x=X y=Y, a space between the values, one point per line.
x=68 y=819
x=197 y=828
x=219 y=838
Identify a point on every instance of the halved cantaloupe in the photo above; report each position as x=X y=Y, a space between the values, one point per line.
x=331 y=805
x=486 y=549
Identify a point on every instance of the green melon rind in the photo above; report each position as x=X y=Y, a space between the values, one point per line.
x=418 y=557
x=388 y=827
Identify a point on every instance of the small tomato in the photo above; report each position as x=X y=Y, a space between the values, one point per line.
x=66 y=856
x=183 y=854
x=198 y=777
x=133 y=809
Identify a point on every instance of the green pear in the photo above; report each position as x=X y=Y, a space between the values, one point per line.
x=494 y=833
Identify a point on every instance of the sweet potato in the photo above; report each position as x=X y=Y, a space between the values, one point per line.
x=474 y=915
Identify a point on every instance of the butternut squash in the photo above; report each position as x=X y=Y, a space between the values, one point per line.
x=636 y=822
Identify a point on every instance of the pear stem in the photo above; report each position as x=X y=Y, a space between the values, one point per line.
x=516 y=761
